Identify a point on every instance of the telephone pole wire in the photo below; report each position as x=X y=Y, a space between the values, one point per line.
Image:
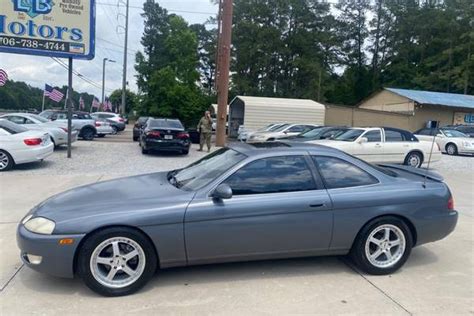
x=223 y=68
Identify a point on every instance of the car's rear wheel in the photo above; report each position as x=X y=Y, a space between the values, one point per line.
x=382 y=246
x=88 y=133
x=414 y=159
x=117 y=261
x=6 y=161
x=451 y=149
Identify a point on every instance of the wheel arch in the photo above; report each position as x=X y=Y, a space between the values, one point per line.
x=88 y=126
x=405 y=219
x=418 y=151
x=92 y=232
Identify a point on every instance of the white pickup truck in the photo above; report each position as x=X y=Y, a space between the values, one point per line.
x=384 y=145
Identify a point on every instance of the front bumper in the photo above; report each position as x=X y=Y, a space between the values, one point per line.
x=56 y=259
x=435 y=227
x=466 y=150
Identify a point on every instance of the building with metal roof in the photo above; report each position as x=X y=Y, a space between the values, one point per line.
x=428 y=108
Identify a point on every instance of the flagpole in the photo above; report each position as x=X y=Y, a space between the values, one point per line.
x=42 y=105
x=65 y=100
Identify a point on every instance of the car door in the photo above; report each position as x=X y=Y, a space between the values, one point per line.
x=278 y=209
x=396 y=147
x=372 y=149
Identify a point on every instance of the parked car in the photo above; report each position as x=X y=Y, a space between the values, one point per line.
x=240 y=203
x=282 y=131
x=19 y=145
x=317 y=133
x=163 y=134
x=103 y=128
x=139 y=124
x=82 y=121
x=244 y=135
x=116 y=120
x=56 y=130
x=466 y=129
x=449 y=140
x=384 y=145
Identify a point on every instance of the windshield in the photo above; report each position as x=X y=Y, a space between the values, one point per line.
x=453 y=133
x=205 y=170
x=278 y=128
x=349 y=135
x=39 y=118
x=312 y=132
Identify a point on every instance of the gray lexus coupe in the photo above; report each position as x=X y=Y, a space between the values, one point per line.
x=244 y=202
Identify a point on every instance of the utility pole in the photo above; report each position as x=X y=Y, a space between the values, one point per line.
x=223 y=68
x=103 y=76
x=124 y=76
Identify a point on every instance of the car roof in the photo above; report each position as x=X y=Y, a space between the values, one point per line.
x=283 y=147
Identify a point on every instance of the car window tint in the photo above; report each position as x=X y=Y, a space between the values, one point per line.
x=338 y=173
x=296 y=129
x=16 y=119
x=272 y=175
x=393 y=136
x=373 y=136
x=61 y=116
x=424 y=131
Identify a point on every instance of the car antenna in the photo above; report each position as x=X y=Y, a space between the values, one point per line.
x=429 y=160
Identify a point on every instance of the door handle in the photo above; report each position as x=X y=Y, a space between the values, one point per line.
x=316 y=205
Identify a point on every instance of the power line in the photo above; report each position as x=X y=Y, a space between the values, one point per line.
x=117 y=45
x=177 y=11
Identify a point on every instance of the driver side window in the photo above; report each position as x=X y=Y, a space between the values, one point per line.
x=373 y=136
x=272 y=175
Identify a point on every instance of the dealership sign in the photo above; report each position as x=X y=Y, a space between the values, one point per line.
x=463 y=118
x=55 y=28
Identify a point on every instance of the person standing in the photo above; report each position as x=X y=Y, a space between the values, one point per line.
x=205 y=129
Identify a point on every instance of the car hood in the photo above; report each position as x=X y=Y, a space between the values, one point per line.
x=112 y=201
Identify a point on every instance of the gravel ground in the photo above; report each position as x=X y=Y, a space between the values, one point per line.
x=125 y=158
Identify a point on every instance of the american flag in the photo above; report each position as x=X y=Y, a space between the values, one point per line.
x=3 y=77
x=52 y=93
x=95 y=103
x=81 y=103
x=107 y=104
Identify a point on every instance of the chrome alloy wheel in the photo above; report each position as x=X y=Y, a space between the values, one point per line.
x=117 y=262
x=414 y=160
x=385 y=246
x=4 y=160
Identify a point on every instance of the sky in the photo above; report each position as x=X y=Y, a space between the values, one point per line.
x=38 y=70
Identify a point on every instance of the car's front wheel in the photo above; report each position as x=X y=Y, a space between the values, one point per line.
x=382 y=246
x=6 y=161
x=117 y=261
x=452 y=149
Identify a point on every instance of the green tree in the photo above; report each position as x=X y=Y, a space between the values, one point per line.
x=131 y=99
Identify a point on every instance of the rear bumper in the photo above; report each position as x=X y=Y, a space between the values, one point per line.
x=435 y=227
x=34 y=154
x=56 y=259
x=104 y=130
x=63 y=140
x=167 y=145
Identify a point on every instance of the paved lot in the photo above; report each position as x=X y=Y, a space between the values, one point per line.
x=437 y=279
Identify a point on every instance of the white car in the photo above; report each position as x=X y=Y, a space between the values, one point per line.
x=103 y=128
x=56 y=130
x=384 y=145
x=449 y=140
x=244 y=134
x=19 y=145
x=282 y=131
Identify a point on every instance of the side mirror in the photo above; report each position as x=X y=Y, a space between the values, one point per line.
x=363 y=140
x=222 y=192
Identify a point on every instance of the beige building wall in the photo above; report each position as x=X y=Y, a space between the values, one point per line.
x=425 y=113
x=388 y=101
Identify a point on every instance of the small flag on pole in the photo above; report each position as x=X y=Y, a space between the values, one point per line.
x=95 y=103
x=81 y=103
x=52 y=93
x=3 y=77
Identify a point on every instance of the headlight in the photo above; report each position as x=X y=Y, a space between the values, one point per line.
x=39 y=225
x=466 y=144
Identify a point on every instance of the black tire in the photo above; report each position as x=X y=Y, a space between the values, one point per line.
x=414 y=159
x=144 y=150
x=135 y=138
x=451 y=149
x=87 y=133
x=7 y=161
x=185 y=151
x=358 y=251
x=101 y=135
x=93 y=241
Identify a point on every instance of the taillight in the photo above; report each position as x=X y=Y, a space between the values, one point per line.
x=97 y=124
x=121 y=120
x=451 y=204
x=153 y=133
x=64 y=129
x=32 y=141
x=182 y=135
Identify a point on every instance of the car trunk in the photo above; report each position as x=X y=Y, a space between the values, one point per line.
x=165 y=133
x=413 y=174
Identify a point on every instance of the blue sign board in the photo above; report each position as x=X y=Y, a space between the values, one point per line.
x=54 y=28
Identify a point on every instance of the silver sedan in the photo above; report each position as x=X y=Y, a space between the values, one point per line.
x=56 y=130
